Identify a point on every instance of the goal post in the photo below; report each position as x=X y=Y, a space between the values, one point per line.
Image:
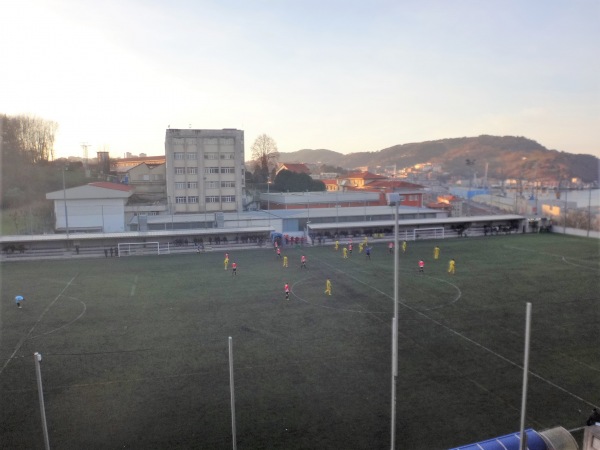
x=428 y=233
x=141 y=248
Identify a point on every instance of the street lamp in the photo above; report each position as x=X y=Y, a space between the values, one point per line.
x=65 y=203
x=337 y=214
x=397 y=199
x=269 y=200
x=470 y=163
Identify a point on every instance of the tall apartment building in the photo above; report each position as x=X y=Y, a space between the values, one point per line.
x=205 y=170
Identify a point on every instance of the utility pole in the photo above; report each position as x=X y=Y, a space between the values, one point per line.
x=470 y=164
x=65 y=202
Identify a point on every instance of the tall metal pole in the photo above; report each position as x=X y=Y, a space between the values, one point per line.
x=589 y=212
x=38 y=374
x=395 y=331
x=65 y=202
x=566 y=201
x=525 y=373
x=308 y=205
x=232 y=389
x=269 y=200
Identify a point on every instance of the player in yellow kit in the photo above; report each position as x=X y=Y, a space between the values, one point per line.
x=226 y=261
x=345 y=253
x=285 y=261
x=404 y=246
x=337 y=246
x=436 y=252
x=328 y=287
x=360 y=247
x=451 y=266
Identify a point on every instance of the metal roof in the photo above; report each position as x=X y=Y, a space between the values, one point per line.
x=414 y=222
x=130 y=234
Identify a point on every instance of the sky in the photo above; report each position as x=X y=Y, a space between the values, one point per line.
x=342 y=75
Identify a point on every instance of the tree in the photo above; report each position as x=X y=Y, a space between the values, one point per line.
x=265 y=156
x=32 y=138
x=297 y=182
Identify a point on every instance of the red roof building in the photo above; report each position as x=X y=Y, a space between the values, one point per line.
x=293 y=167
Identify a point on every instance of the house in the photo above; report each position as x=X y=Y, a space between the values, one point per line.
x=293 y=167
x=331 y=185
x=148 y=180
x=122 y=165
x=359 y=179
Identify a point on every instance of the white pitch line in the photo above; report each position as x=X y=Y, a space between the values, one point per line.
x=66 y=324
x=468 y=339
x=24 y=338
x=564 y=259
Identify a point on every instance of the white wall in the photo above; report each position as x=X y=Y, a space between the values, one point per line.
x=575 y=232
x=106 y=214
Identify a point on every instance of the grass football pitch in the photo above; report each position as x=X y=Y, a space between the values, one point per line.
x=135 y=349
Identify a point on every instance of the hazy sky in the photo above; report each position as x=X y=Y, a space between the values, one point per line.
x=344 y=75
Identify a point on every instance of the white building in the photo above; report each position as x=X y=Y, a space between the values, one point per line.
x=94 y=207
x=205 y=170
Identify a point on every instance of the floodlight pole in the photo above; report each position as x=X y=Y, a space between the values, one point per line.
x=65 y=202
x=37 y=357
x=232 y=388
x=397 y=198
x=269 y=200
x=523 y=445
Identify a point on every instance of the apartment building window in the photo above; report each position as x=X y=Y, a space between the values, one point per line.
x=211 y=156
x=179 y=185
x=157 y=177
x=178 y=155
x=227 y=184
x=191 y=156
x=227 y=169
x=227 y=155
x=228 y=199
x=179 y=199
x=212 y=199
x=192 y=185
x=192 y=170
x=211 y=170
x=179 y=170
x=192 y=199
x=212 y=185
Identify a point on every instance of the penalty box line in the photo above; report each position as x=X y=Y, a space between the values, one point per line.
x=24 y=338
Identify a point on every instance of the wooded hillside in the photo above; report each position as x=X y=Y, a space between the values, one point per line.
x=506 y=157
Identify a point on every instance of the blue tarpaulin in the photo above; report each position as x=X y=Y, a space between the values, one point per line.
x=508 y=442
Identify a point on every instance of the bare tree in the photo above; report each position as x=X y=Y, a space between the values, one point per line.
x=265 y=156
x=30 y=137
